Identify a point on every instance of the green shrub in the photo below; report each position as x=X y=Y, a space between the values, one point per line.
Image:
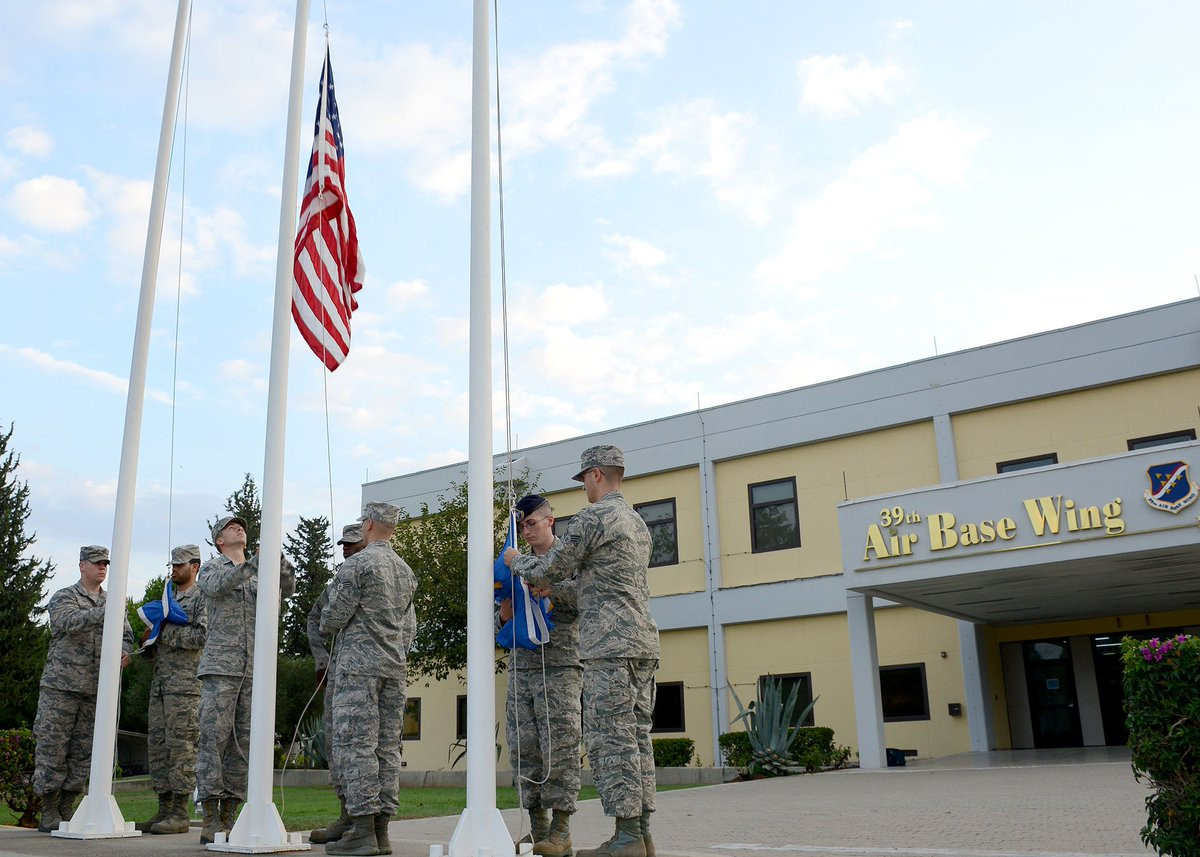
x=16 y=775
x=735 y=747
x=1162 y=709
x=673 y=752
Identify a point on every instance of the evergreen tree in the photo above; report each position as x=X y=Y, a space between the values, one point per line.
x=434 y=544
x=23 y=578
x=311 y=550
x=246 y=504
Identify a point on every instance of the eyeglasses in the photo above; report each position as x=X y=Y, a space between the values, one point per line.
x=529 y=523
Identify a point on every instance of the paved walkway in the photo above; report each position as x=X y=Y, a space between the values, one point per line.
x=1068 y=803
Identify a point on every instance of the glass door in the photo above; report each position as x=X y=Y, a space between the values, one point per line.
x=1053 y=705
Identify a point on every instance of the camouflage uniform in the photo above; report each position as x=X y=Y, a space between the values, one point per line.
x=173 y=729
x=607 y=545
x=226 y=672
x=66 y=713
x=543 y=710
x=369 y=601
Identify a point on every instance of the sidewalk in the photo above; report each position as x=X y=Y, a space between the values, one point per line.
x=1069 y=803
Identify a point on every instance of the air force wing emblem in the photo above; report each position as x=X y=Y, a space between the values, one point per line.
x=1170 y=488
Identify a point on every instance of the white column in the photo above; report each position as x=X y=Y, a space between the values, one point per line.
x=259 y=827
x=480 y=830
x=981 y=726
x=98 y=816
x=864 y=668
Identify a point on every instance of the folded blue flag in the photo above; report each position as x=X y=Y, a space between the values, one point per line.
x=165 y=609
x=531 y=624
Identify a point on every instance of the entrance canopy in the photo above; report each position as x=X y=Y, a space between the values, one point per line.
x=1106 y=536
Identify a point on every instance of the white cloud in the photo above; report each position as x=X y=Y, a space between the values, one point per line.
x=57 y=366
x=51 y=203
x=630 y=252
x=888 y=188
x=30 y=140
x=836 y=87
x=406 y=293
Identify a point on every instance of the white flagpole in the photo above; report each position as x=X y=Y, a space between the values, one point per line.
x=481 y=829
x=98 y=816
x=259 y=828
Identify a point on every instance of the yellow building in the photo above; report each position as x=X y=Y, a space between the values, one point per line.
x=945 y=553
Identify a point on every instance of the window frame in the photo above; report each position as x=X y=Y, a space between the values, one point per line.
x=674 y=522
x=754 y=548
x=811 y=718
x=560 y=525
x=1136 y=444
x=1030 y=462
x=655 y=729
x=414 y=701
x=460 y=717
x=907 y=718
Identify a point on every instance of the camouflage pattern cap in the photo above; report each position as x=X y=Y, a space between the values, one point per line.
x=352 y=534
x=93 y=553
x=224 y=522
x=599 y=456
x=383 y=513
x=184 y=553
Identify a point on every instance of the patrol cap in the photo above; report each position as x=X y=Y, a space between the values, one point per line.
x=224 y=522
x=529 y=504
x=383 y=513
x=93 y=553
x=352 y=534
x=599 y=456
x=184 y=553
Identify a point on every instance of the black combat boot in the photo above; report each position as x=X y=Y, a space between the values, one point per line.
x=625 y=842
x=333 y=831
x=557 y=842
x=164 y=809
x=359 y=840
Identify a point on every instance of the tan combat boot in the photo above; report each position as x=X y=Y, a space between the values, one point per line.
x=539 y=827
x=557 y=842
x=625 y=842
x=333 y=831
x=50 y=815
x=177 y=818
x=164 y=810
x=359 y=840
x=212 y=820
x=67 y=801
x=229 y=808
x=381 y=832
x=644 y=824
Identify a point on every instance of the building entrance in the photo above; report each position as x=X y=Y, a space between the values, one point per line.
x=1053 y=703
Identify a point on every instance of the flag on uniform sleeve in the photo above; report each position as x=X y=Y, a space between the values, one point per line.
x=164 y=609
x=531 y=624
x=328 y=267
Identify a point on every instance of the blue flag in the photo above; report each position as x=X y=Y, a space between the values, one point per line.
x=165 y=609
x=531 y=624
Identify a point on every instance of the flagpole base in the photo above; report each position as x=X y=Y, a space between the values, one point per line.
x=259 y=830
x=98 y=817
x=481 y=833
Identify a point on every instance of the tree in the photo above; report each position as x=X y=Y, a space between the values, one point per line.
x=434 y=544
x=311 y=550
x=246 y=504
x=23 y=578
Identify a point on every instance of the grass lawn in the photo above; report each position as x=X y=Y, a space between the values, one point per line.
x=306 y=807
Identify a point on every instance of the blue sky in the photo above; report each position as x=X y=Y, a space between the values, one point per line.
x=705 y=201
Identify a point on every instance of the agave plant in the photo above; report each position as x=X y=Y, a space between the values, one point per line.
x=312 y=741
x=768 y=724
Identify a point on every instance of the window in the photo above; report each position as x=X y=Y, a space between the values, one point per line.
x=774 y=523
x=1161 y=439
x=664 y=543
x=412 y=719
x=560 y=525
x=905 y=695
x=1026 y=463
x=460 y=720
x=668 y=707
x=803 y=696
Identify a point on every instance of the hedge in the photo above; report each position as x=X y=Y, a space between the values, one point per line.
x=673 y=752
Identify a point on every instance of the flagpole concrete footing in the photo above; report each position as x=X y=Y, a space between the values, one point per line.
x=98 y=817
x=481 y=833
x=259 y=830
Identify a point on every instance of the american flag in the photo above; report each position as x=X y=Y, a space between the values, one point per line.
x=329 y=267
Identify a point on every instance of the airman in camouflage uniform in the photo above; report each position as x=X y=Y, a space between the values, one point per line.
x=66 y=713
x=229 y=583
x=351 y=542
x=543 y=704
x=368 y=601
x=607 y=545
x=173 y=729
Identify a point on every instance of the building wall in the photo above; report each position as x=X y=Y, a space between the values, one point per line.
x=685 y=659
